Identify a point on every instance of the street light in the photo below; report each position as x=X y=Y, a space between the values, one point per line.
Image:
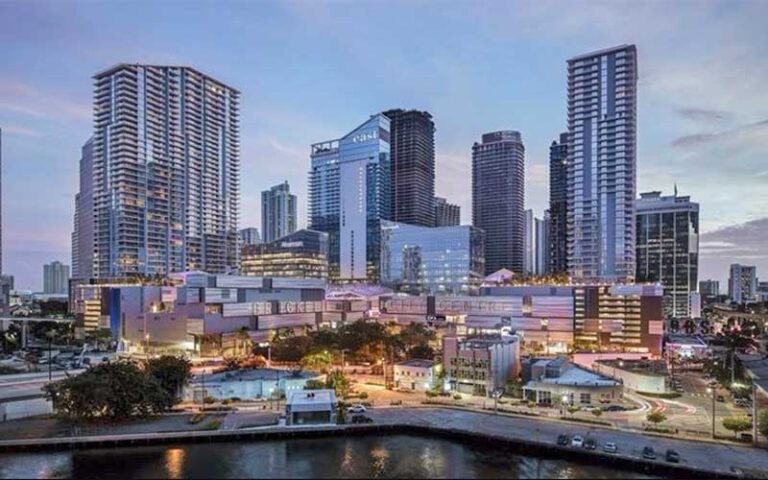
x=713 y=391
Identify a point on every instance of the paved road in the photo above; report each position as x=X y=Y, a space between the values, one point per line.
x=28 y=384
x=703 y=455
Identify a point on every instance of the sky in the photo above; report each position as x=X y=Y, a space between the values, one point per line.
x=311 y=71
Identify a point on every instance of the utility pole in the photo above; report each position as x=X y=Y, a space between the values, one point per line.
x=714 y=392
x=50 y=340
x=202 y=397
x=754 y=412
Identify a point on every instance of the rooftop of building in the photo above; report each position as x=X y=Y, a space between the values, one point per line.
x=604 y=51
x=484 y=341
x=575 y=375
x=309 y=399
x=356 y=291
x=119 y=66
x=252 y=375
x=646 y=367
x=417 y=363
x=682 y=339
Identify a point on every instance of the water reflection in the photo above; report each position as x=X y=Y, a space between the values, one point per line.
x=174 y=462
x=396 y=456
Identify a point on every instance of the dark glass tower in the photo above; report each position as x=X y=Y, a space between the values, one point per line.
x=412 y=180
x=498 y=193
x=558 y=205
x=668 y=248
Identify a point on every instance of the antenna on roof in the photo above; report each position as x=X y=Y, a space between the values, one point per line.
x=675 y=188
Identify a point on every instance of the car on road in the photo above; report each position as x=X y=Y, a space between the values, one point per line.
x=577 y=441
x=610 y=447
x=362 y=419
x=562 y=439
x=590 y=444
x=673 y=456
x=746 y=437
x=615 y=408
x=396 y=403
x=721 y=399
x=357 y=409
x=649 y=453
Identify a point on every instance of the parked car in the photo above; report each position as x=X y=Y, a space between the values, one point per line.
x=721 y=399
x=746 y=437
x=577 y=441
x=395 y=403
x=562 y=439
x=590 y=444
x=649 y=453
x=362 y=419
x=610 y=447
x=673 y=456
x=615 y=408
x=357 y=409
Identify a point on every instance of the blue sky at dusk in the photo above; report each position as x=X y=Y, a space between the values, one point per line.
x=311 y=71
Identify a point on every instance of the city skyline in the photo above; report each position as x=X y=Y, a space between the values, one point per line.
x=46 y=119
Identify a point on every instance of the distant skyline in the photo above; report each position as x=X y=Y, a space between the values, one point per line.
x=309 y=70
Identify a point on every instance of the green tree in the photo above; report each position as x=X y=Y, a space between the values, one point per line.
x=339 y=382
x=116 y=390
x=597 y=412
x=656 y=417
x=313 y=384
x=762 y=424
x=172 y=373
x=573 y=409
x=243 y=342
x=317 y=361
x=737 y=424
x=514 y=388
x=291 y=348
x=421 y=350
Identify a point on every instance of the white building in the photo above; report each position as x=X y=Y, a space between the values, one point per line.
x=639 y=375
x=247 y=384
x=310 y=407
x=742 y=283
x=557 y=380
x=481 y=365
x=416 y=374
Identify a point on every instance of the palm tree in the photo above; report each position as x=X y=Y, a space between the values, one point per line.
x=243 y=340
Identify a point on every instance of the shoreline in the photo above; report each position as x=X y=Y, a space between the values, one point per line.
x=523 y=446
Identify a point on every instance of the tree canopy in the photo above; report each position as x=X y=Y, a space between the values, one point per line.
x=737 y=424
x=116 y=390
x=172 y=373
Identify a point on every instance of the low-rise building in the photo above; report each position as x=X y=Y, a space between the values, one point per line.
x=556 y=380
x=686 y=347
x=481 y=365
x=648 y=376
x=416 y=374
x=301 y=254
x=247 y=384
x=310 y=407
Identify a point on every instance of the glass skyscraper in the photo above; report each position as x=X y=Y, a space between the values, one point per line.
x=432 y=261
x=278 y=212
x=446 y=214
x=349 y=195
x=166 y=166
x=558 y=205
x=668 y=248
x=412 y=174
x=602 y=106
x=498 y=193
x=82 y=235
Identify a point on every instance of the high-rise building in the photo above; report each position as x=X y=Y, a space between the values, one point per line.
x=432 y=260
x=166 y=166
x=55 y=278
x=6 y=281
x=542 y=244
x=498 y=193
x=412 y=177
x=249 y=236
x=668 y=248
x=558 y=205
x=349 y=196
x=742 y=283
x=278 y=212
x=529 y=244
x=602 y=106
x=83 y=233
x=446 y=214
x=709 y=289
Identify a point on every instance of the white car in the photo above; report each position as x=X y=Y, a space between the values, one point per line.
x=357 y=409
x=577 y=441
